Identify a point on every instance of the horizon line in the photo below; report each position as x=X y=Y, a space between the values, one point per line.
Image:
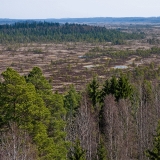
x=77 y=18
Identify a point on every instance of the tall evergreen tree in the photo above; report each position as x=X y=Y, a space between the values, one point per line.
x=124 y=88
x=93 y=91
x=113 y=86
x=71 y=101
x=105 y=90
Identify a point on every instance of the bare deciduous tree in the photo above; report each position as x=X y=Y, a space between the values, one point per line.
x=16 y=144
x=84 y=127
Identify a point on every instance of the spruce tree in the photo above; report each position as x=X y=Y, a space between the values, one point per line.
x=113 y=86
x=105 y=90
x=93 y=91
x=124 y=88
x=71 y=101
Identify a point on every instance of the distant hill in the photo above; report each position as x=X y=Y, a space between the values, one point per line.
x=90 y=20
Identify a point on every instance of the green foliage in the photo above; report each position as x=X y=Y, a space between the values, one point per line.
x=55 y=104
x=71 y=101
x=21 y=104
x=154 y=154
x=38 y=80
x=101 y=151
x=105 y=90
x=77 y=153
x=153 y=41
x=93 y=91
x=113 y=86
x=124 y=88
x=19 y=100
x=25 y=103
x=120 y=88
x=120 y=54
x=118 y=42
x=54 y=32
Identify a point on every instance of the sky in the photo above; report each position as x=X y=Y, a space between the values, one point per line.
x=42 y=9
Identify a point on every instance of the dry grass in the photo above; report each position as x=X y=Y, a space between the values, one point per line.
x=61 y=63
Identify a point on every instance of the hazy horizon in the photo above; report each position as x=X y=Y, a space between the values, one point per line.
x=76 y=18
x=46 y=9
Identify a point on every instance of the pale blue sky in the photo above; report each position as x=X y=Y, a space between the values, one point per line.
x=31 y=9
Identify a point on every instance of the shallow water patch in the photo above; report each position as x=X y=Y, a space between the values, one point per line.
x=120 y=67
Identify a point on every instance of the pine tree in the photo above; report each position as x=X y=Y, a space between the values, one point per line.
x=55 y=103
x=36 y=77
x=21 y=104
x=34 y=108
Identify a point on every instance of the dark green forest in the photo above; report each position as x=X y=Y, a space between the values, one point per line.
x=27 y=32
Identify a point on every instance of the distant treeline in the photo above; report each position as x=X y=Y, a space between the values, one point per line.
x=27 y=32
x=132 y=20
x=122 y=54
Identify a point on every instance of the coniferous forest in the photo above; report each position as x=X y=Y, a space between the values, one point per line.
x=55 y=32
x=54 y=107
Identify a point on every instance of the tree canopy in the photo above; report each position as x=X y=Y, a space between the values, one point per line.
x=27 y=32
x=23 y=103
